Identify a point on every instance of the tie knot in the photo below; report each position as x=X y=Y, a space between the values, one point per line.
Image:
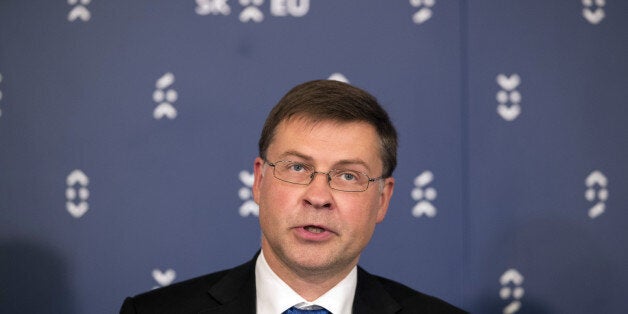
x=294 y=310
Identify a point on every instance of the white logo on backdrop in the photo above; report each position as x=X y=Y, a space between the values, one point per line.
x=215 y=7
x=252 y=9
x=79 y=10
x=249 y=207
x=596 y=183
x=593 y=10
x=296 y=8
x=425 y=10
x=338 y=77
x=511 y=282
x=0 y=94
x=165 y=98
x=507 y=95
x=163 y=278
x=77 y=193
x=424 y=195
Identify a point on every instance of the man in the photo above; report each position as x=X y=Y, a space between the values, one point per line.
x=323 y=180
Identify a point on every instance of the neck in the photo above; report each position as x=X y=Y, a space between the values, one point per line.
x=308 y=283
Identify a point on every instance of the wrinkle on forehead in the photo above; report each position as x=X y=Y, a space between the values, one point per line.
x=333 y=128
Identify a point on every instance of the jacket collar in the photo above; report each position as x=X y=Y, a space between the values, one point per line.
x=235 y=293
x=371 y=297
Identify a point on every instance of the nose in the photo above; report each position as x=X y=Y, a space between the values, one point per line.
x=318 y=193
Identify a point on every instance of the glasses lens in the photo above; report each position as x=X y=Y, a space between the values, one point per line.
x=301 y=173
x=293 y=172
x=348 y=180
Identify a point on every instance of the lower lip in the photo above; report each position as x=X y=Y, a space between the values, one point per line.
x=306 y=235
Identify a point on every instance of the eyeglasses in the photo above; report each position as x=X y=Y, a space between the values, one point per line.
x=346 y=180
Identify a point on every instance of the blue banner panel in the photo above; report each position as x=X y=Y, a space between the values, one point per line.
x=128 y=131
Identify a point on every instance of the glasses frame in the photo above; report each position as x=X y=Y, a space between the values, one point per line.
x=314 y=173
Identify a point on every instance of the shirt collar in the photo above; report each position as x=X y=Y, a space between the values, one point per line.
x=274 y=296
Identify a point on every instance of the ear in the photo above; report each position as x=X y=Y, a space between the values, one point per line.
x=258 y=167
x=384 y=198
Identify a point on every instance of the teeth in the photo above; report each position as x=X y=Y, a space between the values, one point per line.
x=314 y=229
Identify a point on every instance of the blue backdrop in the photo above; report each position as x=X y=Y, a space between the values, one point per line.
x=128 y=131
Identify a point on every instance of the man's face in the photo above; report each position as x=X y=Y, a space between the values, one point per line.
x=312 y=229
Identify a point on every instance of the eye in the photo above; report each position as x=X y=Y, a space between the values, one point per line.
x=296 y=167
x=348 y=175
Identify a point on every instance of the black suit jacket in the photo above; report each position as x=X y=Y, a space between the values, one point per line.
x=233 y=292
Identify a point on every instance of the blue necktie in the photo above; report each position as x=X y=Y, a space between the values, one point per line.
x=294 y=310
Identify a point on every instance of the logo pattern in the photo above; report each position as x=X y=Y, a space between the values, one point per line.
x=425 y=10
x=597 y=191
x=507 y=290
x=508 y=94
x=215 y=7
x=249 y=207
x=165 y=98
x=296 y=8
x=77 y=193
x=252 y=9
x=79 y=10
x=424 y=195
x=338 y=77
x=511 y=281
x=163 y=278
x=593 y=10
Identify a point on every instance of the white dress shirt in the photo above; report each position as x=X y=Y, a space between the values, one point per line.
x=274 y=296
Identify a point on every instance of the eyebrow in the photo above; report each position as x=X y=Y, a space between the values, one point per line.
x=295 y=154
x=309 y=159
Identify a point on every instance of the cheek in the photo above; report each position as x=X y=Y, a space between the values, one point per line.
x=362 y=212
x=274 y=200
x=269 y=212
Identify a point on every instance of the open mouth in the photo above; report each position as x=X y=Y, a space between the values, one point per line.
x=314 y=229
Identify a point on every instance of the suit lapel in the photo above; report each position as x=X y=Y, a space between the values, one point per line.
x=371 y=297
x=235 y=292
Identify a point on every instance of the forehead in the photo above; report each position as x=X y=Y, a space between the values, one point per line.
x=327 y=142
